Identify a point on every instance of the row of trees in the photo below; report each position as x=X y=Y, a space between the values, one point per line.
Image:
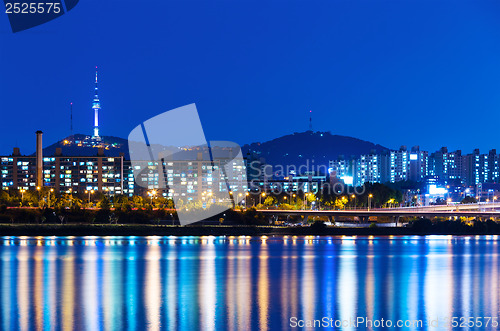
x=373 y=195
x=46 y=198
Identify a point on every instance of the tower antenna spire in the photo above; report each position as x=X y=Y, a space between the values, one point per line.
x=310 y=121
x=96 y=105
x=71 y=119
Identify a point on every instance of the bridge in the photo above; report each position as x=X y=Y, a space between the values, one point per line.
x=481 y=210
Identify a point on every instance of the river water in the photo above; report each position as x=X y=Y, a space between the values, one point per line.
x=248 y=283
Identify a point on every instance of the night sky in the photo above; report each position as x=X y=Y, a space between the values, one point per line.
x=392 y=72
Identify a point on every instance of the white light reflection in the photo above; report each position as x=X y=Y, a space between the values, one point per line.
x=50 y=284
x=23 y=289
x=231 y=287
x=112 y=291
x=90 y=287
x=7 y=287
x=207 y=284
x=38 y=288
x=263 y=286
x=308 y=280
x=347 y=281
x=285 y=282
x=131 y=287
x=437 y=280
x=243 y=289
x=171 y=290
x=152 y=285
x=68 y=289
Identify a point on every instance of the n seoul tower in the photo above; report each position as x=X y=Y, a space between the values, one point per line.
x=96 y=105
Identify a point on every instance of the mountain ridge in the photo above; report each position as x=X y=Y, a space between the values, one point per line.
x=319 y=146
x=292 y=149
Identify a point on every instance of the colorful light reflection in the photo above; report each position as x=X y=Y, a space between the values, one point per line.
x=241 y=283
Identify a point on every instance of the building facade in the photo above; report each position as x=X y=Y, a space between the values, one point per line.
x=98 y=173
x=441 y=167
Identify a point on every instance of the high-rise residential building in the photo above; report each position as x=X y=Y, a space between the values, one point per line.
x=391 y=166
x=481 y=168
x=64 y=173
x=494 y=166
x=367 y=169
x=190 y=179
x=395 y=165
x=18 y=171
x=341 y=168
x=114 y=175
x=448 y=167
x=419 y=164
x=474 y=168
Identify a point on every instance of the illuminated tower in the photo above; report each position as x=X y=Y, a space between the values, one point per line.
x=96 y=105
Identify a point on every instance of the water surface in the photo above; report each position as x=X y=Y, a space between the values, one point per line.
x=243 y=283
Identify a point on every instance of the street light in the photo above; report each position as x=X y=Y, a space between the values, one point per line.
x=390 y=202
x=51 y=190
x=70 y=197
x=354 y=198
x=239 y=198
x=344 y=201
x=38 y=189
x=262 y=195
x=370 y=196
x=89 y=192
x=22 y=195
x=151 y=194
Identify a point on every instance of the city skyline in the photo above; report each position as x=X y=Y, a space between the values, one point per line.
x=382 y=74
x=250 y=165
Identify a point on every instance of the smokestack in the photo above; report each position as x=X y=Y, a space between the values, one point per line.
x=16 y=152
x=39 y=159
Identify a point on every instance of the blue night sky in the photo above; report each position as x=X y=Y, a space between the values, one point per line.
x=392 y=72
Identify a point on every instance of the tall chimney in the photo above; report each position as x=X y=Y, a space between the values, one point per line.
x=39 y=159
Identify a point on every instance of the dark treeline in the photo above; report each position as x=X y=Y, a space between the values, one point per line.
x=62 y=216
x=419 y=227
